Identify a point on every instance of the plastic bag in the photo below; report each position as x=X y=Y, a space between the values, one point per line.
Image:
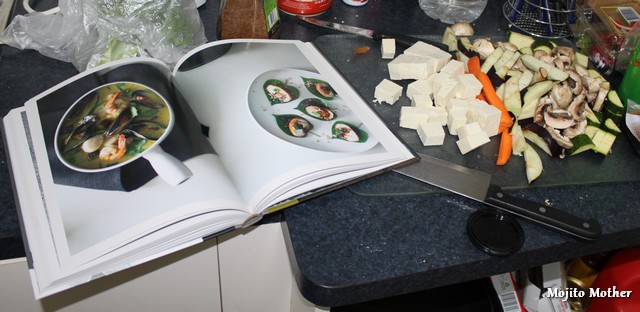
x=88 y=33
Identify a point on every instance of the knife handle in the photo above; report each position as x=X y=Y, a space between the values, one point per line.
x=545 y=215
x=407 y=41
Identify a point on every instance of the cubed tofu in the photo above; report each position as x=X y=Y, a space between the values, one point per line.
x=426 y=50
x=387 y=91
x=411 y=116
x=388 y=48
x=439 y=80
x=422 y=100
x=419 y=87
x=431 y=133
x=469 y=129
x=444 y=95
x=439 y=115
x=486 y=115
x=456 y=119
x=454 y=68
x=472 y=141
x=468 y=86
x=406 y=66
x=457 y=104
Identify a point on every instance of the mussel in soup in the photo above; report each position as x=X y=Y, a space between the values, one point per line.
x=316 y=109
x=112 y=124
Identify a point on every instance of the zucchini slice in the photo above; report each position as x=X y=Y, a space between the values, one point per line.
x=611 y=127
x=581 y=142
x=520 y=40
x=603 y=141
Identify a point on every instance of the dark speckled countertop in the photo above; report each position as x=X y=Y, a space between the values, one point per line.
x=388 y=235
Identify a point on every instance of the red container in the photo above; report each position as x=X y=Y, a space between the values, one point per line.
x=619 y=282
x=304 y=7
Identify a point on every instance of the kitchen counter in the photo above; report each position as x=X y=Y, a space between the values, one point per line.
x=388 y=235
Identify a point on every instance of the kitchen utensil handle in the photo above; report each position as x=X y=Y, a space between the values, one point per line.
x=407 y=41
x=545 y=215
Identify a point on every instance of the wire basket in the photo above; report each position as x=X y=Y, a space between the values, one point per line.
x=541 y=18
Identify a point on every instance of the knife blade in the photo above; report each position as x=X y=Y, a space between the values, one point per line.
x=477 y=185
x=402 y=40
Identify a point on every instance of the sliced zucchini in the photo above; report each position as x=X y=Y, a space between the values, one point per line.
x=506 y=66
x=449 y=38
x=532 y=163
x=512 y=100
x=603 y=141
x=526 y=50
x=591 y=131
x=593 y=119
x=525 y=79
x=616 y=116
x=614 y=104
x=520 y=40
x=492 y=59
x=611 y=127
x=539 y=136
x=581 y=59
x=532 y=96
x=581 y=142
x=535 y=64
x=519 y=144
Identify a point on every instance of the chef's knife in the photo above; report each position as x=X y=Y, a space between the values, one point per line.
x=477 y=186
x=402 y=40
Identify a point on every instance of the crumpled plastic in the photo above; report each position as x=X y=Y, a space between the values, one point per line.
x=88 y=33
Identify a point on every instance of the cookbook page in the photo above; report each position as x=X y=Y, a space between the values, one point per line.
x=280 y=116
x=147 y=170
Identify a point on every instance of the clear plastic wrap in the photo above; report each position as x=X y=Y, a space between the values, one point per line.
x=88 y=33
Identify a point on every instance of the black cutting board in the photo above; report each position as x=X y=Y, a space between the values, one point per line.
x=365 y=71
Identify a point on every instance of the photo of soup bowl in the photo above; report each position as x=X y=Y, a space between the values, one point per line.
x=115 y=124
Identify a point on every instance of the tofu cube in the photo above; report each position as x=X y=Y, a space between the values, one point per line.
x=438 y=115
x=422 y=100
x=469 y=129
x=468 y=86
x=431 y=133
x=439 y=80
x=454 y=68
x=388 y=48
x=411 y=116
x=458 y=105
x=472 y=141
x=406 y=66
x=424 y=49
x=444 y=95
x=419 y=87
x=387 y=91
x=486 y=115
x=455 y=120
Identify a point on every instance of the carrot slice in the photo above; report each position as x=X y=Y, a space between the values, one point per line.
x=504 y=151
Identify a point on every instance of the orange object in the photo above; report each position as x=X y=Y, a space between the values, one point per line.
x=489 y=92
x=504 y=152
x=361 y=50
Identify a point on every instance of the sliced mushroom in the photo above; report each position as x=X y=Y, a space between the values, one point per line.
x=578 y=107
x=539 y=75
x=576 y=129
x=602 y=95
x=545 y=103
x=562 y=140
x=580 y=70
x=540 y=53
x=564 y=54
x=574 y=82
x=462 y=29
x=508 y=46
x=558 y=118
x=557 y=62
x=484 y=47
x=561 y=95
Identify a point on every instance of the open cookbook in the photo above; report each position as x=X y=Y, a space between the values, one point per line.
x=132 y=160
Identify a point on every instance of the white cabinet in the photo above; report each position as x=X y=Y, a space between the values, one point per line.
x=187 y=280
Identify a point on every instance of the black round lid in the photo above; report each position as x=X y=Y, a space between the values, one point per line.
x=494 y=232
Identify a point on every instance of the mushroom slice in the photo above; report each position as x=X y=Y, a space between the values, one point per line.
x=561 y=95
x=558 y=118
x=462 y=29
x=484 y=47
x=562 y=140
x=545 y=104
x=574 y=82
x=602 y=95
x=578 y=107
x=576 y=129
